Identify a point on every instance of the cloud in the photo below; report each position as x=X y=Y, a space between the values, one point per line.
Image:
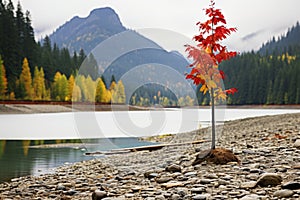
x=177 y=15
x=252 y=35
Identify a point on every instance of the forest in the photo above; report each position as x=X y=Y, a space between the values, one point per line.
x=270 y=76
x=39 y=70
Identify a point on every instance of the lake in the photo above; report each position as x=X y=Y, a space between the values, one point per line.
x=21 y=158
x=20 y=134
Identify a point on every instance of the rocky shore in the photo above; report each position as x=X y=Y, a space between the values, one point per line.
x=268 y=147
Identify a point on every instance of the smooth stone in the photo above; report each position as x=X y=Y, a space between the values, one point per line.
x=98 y=194
x=227 y=177
x=60 y=187
x=251 y=197
x=163 y=179
x=297 y=143
x=255 y=171
x=211 y=176
x=291 y=186
x=182 y=192
x=160 y=197
x=71 y=192
x=248 y=152
x=129 y=195
x=173 y=168
x=223 y=182
x=136 y=188
x=150 y=175
x=283 y=193
x=198 y=190
x=190 y=174
x=206 y=181
x=175 y=197
x=297 y=166
x=172 y=184
x=269 y=179
x=200 y=197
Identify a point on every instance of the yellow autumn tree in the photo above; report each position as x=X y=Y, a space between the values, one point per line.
x=3 y=81
x=60 y=88
x=90 y=89
x=76 y=94
x=100 y=91
x=71 y=83
x=121 y=92
x=80 y=82
x=118 y=92
x=112 y=89
x=39 y=88
x=25 y=80
x=107 y=98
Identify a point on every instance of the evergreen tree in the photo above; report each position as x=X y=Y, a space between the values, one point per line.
x=29 y=44
x=9 y=42
x=113 y=79
x=89 y=67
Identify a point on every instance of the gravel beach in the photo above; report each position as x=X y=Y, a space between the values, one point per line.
x=268 y=147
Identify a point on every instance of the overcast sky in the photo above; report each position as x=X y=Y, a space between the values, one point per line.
x=257 y=20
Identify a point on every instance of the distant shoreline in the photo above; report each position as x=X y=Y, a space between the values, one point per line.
x=32 y=107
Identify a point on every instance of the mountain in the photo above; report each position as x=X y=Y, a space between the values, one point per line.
x=103 y=35
x=284 y=43
x=86 y=33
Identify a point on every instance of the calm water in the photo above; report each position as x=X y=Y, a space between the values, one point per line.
x=20 y=158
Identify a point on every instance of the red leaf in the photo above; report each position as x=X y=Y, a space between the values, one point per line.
x=231 y=91
x=222 y=74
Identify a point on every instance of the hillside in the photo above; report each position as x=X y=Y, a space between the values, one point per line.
x=285 y=43
x=269 y=76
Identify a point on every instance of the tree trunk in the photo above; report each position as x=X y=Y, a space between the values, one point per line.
x=213 y=121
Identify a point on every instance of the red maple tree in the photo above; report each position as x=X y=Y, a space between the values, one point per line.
x=207 y=56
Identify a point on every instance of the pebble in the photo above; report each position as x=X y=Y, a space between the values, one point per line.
x=269 y=179
x=284 y=193
x=164 y=179
x=173 y=168
x=190 y=174
x=291 y=186
x=198 y=190
x=248 y=185
x=251 y=197
x=97 y=195
x=200 y=197
x=297 y=144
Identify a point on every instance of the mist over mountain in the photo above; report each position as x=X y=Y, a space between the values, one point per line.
x=285 y=43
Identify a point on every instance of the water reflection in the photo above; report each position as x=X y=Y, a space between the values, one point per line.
x=2 y=147
x=21 y=157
